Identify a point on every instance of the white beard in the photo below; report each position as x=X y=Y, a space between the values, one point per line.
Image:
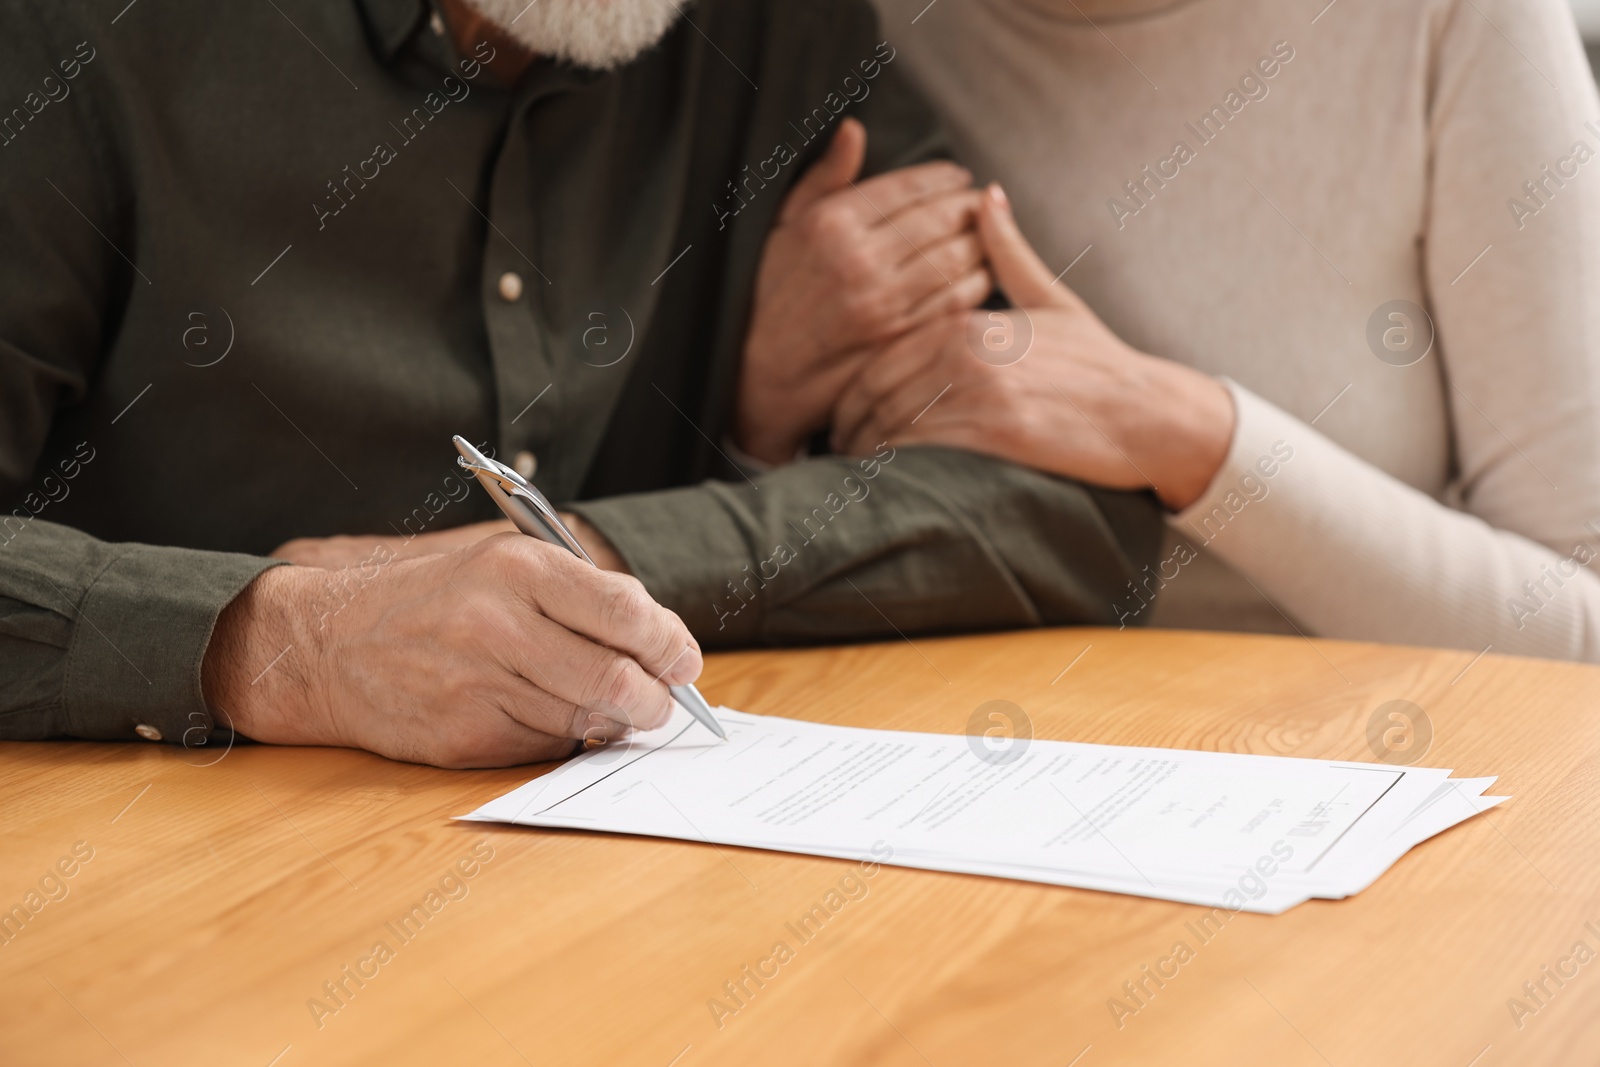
x=601 y=34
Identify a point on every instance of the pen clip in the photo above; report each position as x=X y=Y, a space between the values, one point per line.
x=497 y=476
x=509 y=480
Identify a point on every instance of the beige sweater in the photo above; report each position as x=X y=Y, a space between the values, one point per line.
x=1270 y=191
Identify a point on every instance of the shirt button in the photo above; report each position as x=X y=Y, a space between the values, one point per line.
x=148 y=732
x=510 y=286
x=525 y=463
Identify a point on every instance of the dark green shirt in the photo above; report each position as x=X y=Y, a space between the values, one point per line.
x=254 y=269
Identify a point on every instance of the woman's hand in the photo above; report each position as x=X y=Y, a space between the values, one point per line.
x=1075 y=400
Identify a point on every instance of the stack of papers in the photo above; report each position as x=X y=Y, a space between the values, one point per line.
x=1256 y=833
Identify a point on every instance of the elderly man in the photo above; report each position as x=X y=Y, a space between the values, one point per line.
x=258 y=263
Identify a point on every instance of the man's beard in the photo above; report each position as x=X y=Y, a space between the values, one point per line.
x=588 y=33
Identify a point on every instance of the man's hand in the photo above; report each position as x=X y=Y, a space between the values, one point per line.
x=847 y=267
x=334 y=553
x=1079 y=402
x=504 y=652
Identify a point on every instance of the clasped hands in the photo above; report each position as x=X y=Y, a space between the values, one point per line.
x=894 y=354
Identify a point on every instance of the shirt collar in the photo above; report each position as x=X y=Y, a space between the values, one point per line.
x=391 y=22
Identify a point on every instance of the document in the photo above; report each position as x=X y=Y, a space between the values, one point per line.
x=1258 y=833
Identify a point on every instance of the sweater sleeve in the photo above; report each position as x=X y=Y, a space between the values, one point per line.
x=1347 y=550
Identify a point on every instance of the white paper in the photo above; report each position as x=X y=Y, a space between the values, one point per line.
x=1260 y=833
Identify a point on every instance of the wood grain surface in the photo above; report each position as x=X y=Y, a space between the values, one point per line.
x=224 y=894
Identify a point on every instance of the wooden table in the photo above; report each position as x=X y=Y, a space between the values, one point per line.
x=221 y=896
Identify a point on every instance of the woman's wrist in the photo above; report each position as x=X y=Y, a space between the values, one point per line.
x=1187 y=432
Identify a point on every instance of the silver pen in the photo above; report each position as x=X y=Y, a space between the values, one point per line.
x=531 y=513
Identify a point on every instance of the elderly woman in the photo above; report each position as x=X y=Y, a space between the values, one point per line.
x=1334 y=296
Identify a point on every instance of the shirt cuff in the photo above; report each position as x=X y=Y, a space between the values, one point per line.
x=142 y=627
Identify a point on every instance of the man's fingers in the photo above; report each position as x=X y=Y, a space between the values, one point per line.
x=882 y=374
x=507 y=743
x=836 y=169
x=951 y=275
x=580 y=688
x=512 y=722
x=937 y=265
x=502 y=741
x=609 y=690
x=1017 y=267
x=916 y=397
x=607 y=685
x=884 y=196
x=928 y=223
x=968 y=291
x=594 y=727
x=607 y=608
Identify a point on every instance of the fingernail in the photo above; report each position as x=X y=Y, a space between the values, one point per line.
x=998 y=195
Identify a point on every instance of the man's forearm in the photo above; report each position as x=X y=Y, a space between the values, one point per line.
x=923 y=539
